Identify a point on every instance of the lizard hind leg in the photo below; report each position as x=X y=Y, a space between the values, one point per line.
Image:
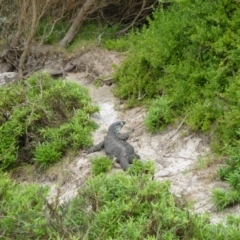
x=132 y=157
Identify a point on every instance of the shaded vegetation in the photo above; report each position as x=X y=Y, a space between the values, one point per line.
x=187 y=62
x=41 y=119
x=45 y=32
x=89 y=35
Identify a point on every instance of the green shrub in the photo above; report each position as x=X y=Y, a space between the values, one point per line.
x=234 y=221
x=189 y=55
x=123 y=206
x=160 y=114
x=21 y=210
x=231 y=174
x=227 y=131
x=140 y=168
x=89 y=35
x=47 y=153
x=120 y=44
x=223 y=198
x=101 y=164
x=42 y=119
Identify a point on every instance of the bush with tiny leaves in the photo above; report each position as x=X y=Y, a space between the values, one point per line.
x=186 y=61
x=41 y=119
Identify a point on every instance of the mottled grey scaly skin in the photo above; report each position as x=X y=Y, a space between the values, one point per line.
x=116 y=147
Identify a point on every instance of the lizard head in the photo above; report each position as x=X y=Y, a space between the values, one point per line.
x=116 y=127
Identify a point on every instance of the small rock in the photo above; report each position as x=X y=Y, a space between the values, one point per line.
x=8 y=77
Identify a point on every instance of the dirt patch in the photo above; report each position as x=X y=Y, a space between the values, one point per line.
x=180 y=155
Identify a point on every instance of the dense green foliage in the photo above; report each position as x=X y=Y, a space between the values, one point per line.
x=187 y=61
x=188 y=54
x=160 y=114
x=135 y=207
x=41 y=119
x=21 y=210
x=231 y=174
x=101 y=164
x=113 y=206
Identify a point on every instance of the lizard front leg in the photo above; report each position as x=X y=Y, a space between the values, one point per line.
x=96 y=148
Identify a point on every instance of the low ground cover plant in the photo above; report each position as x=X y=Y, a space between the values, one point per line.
x=101 y=164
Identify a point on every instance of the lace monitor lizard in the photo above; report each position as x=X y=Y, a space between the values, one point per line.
x=116 y=147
